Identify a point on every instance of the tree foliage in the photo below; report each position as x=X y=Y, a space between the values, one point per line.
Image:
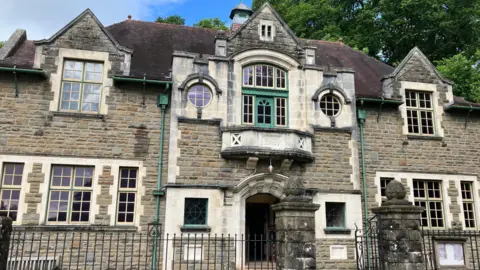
x=212 y=23
x=464 y=72
x=173 y=19
x=2 y=43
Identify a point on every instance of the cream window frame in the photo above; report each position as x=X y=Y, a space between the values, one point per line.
x=127 y=190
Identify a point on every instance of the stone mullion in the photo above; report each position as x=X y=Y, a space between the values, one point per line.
x=33 y=197
x=104 y=198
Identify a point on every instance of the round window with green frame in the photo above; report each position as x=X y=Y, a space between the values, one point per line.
x=330 y=105
x=264 y=76
x=199 y=95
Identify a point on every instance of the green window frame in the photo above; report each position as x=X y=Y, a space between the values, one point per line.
x=420 y=113
x=10 y=188
x=335 y=215
x=195 y=212
x=468 y=201
x=265 y=76
x=428 y=194
x=81 y=87
x=70 y=194
x=127 y=196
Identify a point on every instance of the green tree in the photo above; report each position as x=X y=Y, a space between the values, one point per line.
x=173 y=19
x=464 y=72
x=213 y=23
x=387 y=29
x=2 y=43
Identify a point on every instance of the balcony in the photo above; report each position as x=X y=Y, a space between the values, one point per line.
x=276 y=143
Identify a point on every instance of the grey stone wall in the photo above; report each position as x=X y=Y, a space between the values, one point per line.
x=129 y=131
x=248 y=37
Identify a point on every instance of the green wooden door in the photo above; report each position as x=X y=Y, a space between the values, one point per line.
x=264 y=111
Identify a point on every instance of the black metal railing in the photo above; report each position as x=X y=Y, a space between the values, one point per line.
x=367 y=251
x=106 y=249
x=451 y=248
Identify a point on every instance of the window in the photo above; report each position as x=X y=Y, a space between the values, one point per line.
x=266 y=30
x=428 y=194
x=450 y=254
x=335 y=214
x=419 y=113
x=81 y=86
x=195 y=211
x=10 y=189
x=70 y=194
x=383 y=186
x=468 y=204
x=330 y=105
x=127 y=193
x=199 y=95
x=269 y=31
x=264 y=76
x=264 y=97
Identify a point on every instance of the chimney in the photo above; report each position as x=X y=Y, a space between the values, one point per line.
x=239 y=16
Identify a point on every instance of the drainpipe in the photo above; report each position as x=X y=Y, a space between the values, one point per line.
x=162 y=103
x=361 y=123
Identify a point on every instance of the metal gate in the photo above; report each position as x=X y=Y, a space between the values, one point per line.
x=368 y=254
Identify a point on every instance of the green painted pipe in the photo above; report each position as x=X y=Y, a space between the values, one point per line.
x=125 y=79
x=159 y=186
x=23 y=70
x=361 y=114
x=463 y=108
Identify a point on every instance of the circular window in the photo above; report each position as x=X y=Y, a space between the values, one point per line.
x=199 y=95
x=330 y=105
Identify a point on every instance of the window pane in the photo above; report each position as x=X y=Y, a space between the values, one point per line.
x=80 y=206
x=428 y=194
x=91 y=97
x=383 y=186
x=61 y=176
x=330 y=105
x=12 y=174
x=281 y=112
x=264 y=111
x=195 y=211
x=199 y=95
x=58 y=206
x=248 y=76
x=335 y=214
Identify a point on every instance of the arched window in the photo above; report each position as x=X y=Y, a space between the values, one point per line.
x=265 y=76
x=199 y=95
x=330 y=105
x=265 y=98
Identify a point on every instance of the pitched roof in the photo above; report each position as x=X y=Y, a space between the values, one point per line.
x=153 y=44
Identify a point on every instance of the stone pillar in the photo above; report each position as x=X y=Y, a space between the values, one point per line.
x=33 y=197
x=104 y=198
x=5 y=231
x=295 y=225
x=399 y=231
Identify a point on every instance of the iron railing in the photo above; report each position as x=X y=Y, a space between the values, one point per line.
x=90 y=248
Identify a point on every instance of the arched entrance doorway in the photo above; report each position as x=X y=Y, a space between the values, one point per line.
x=260 y=228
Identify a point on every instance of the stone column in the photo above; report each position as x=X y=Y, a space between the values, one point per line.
x=399 y=231
x=295 y=225
x=5 y=231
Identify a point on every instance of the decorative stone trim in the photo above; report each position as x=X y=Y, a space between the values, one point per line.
x=331 y=88
x=104 y=198
x=272 y=130
x=332 y=129
x=182 y=119
x=79 y=115
x=244 y=152
x=33 y=197
x=419 y=137
x=199 y=78
x=200 y=186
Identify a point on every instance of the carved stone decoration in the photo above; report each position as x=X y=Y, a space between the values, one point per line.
x=396 y=194
x=295 y=191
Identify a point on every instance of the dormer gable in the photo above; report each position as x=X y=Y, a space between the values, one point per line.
x=265 y=29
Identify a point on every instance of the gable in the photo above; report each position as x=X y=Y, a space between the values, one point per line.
x=85 y=32
x=417 y=68
x=248 y=35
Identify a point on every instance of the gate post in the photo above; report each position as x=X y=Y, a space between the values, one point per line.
x=295 y=225
x=5 y=231
x=399 y=231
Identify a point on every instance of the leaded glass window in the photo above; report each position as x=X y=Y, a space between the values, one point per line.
x=127 y=193
x=428 y=194
x=81 y=86
x=419 y=113
x=335 y=214
x=330 y=105
x=10 y=189
x=264 y=76
x=199 y=95
x=195 y=211
x=468 y=204
x=70 y=194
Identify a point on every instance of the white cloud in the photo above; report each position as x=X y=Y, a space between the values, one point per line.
x=43 y=18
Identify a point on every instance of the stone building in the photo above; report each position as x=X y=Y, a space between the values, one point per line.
x=201 y=130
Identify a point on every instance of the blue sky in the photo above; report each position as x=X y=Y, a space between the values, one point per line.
x=195 y=10
x=43 y=18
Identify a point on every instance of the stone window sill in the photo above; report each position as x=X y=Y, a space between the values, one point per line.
x=199 y=228
x=337 y=231
x=420 y=137
x=79 y=115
